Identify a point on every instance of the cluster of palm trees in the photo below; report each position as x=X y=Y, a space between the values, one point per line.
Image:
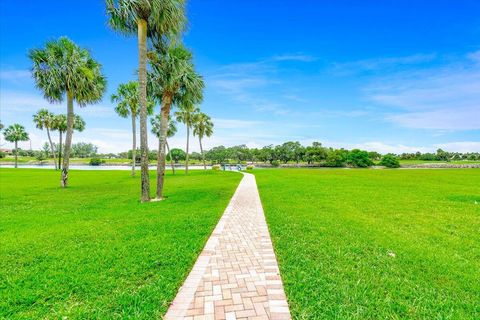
x=170 y=80
x=49 y=121
x=166 y=76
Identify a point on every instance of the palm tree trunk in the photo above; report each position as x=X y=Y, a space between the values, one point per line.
x=171 y=159
x=60 y=152
x=186 y=157
x=134 y=143
x=51 y=147
x=68 y=140
x=162 y=141
x=142 y=88
x=16 y=154
x=201 y=151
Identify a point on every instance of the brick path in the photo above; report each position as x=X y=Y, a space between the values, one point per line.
x=236 y=276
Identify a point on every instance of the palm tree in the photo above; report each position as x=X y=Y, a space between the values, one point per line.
x=172 y=129
x=159 y=20
x=15 y=133
x=173 y=80
x=202 y=127
x=186 y=115
x=128 y=105
x=60 y=124
x=61 y=69
x=45 y=119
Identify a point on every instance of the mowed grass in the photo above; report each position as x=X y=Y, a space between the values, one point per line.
x=92 y=251
x=376 y=244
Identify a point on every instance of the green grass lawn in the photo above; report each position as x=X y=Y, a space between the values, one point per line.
x=376 y=244
x=92 y=251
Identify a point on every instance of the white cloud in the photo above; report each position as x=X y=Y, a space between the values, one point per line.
x=444 y=98
x=294 y=57
x=15 y=76
x=461 y=146
x=380 y=64
x=14 y=102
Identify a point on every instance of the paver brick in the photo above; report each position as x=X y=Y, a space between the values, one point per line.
x=236 y=276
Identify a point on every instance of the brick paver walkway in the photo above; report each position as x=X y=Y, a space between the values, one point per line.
x=236 y=276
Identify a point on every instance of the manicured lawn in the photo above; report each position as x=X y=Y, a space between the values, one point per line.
x=93 y=251
x=376 y=244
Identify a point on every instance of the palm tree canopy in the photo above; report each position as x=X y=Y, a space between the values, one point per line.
x=172 y=126
x=15 y=132
x=44 y=119
x=60 y=123
x=165 y=18
x=61 y=67
x=174 y=74
x=187 y=114
x=202 y=125
x=127 y=100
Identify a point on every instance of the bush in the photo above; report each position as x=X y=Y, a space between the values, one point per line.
x=2 y=154
x=250 y=167
x=96 y=161
x=335 y=158
x=275 y=163
x=359 y=159
x=216 y=167
x=390 y=161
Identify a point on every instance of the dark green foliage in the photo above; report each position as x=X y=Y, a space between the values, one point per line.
x=177 y=155
x=390 y=161
x=359 y=159
x=96 y=161
x=335 y=158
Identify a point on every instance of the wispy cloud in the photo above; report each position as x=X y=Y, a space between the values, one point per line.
x=14 y=75
x=14 y=102
x=294 y=57
x=443 y=97
x=380 y=64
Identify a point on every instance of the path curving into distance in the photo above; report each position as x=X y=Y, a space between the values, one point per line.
x=236 y=276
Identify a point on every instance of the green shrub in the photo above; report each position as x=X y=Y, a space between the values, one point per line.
x=250 y=167
x=335 y=158
x=390 y=161
x=216 y=167
x=96 y=161
x=275 y=163
x=2 y=154
x=359 y=158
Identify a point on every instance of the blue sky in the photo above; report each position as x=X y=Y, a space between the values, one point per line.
x=392 y=76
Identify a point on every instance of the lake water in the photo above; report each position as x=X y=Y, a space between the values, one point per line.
x=109 y=167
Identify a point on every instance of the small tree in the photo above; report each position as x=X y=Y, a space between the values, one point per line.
x=390 y=161
x=64 y=70
x=128 y=105
x=60 y=124
x=202 y=127
x=172 y=129
x=15 y=133
x=44 y=119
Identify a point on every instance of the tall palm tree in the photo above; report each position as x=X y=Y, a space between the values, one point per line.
x=128 y=105
x=60 y=124
x=172 y=129
x=173 y=80
x=44 y=119
x=202 y=127
x=158 y=20
x=15 y=133
x=62 y=69
x=186 y=114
